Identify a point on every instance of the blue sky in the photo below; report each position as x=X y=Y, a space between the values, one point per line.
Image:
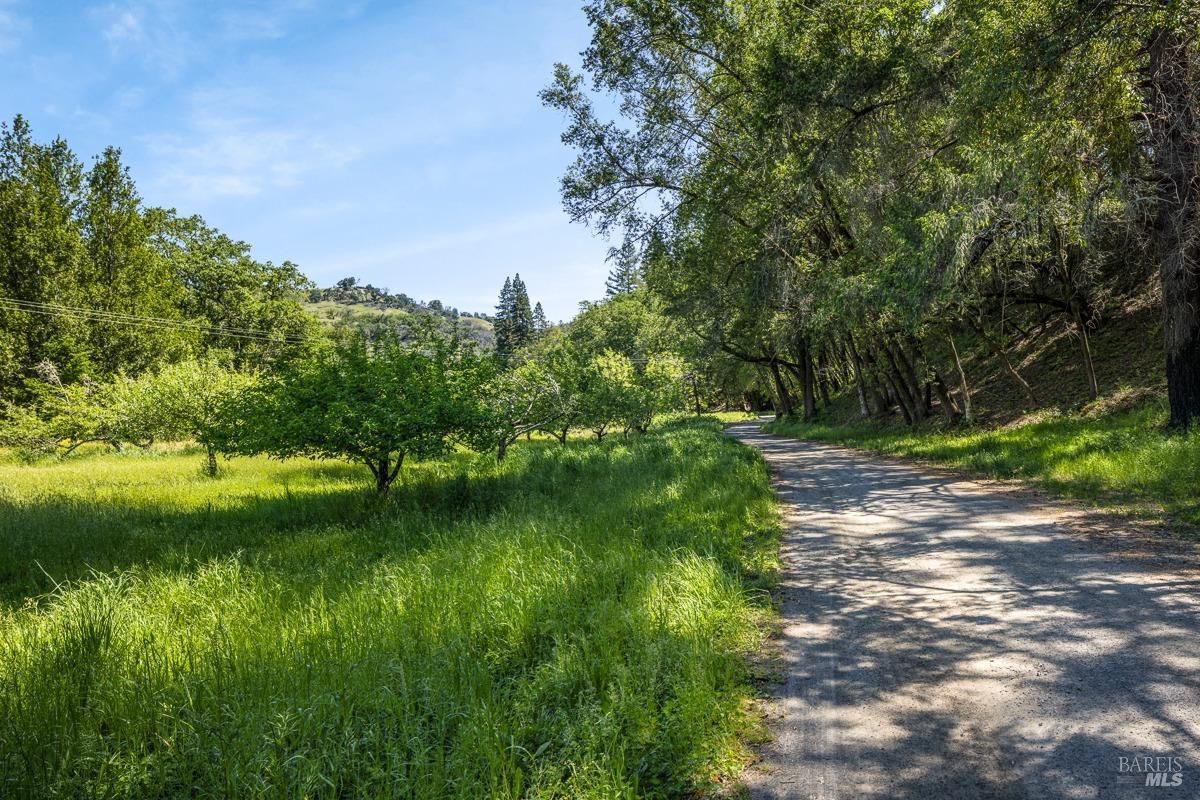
x=401 y=142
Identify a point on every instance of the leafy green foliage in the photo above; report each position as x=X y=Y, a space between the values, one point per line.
x=192 y=401
x=373 y=402
x=517 y=402
x=838 y=191
x=63 y=417
x=100 y=286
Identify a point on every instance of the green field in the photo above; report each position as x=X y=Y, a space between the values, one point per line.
x=1122 y=460
x=572 y=623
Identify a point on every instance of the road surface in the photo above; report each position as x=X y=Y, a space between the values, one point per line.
x=942 y=639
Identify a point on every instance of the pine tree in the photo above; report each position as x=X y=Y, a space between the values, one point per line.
x=503 y=324
x=625 y=277
x=514 y=325
x=540 y=323
x=522 y=318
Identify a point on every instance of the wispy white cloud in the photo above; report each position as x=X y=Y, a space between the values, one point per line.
x=14 y=25
x=269 y=22
x=407 y=249
x=227 y=150
x=155 y=32
x=124 y=26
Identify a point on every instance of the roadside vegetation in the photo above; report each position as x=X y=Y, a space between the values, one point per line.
x=1121 y=460
x=871 y=195
x=247 y=554
x=569 y=623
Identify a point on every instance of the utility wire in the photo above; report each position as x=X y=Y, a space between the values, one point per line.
x=115 y=315
x=95 y=315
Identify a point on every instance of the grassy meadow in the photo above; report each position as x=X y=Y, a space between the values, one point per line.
x=571 y=623
x=1120 y=460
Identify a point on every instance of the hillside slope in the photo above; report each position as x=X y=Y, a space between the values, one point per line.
x=372 y=309
x=1111 y=451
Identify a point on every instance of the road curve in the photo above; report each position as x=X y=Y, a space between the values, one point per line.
x=945 y=640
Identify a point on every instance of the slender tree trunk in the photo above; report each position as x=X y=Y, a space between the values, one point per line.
x=823 y=379
x=964 y=389
x=902 y=400
x=382 y=470
x=501 y=449
x=1000 y=352
x=909 y=365
x=1174 y=123
x=785 y=400
x=900 y=393
x=810 y=401
x=210 y=464
x=908 y=395
x=1086 y=348
x=859 y=385
x=949 y=407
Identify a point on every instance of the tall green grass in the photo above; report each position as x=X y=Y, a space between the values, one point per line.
x=1121 y=460
x=569 y=624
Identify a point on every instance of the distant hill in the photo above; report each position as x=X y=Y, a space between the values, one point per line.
x=369 y=307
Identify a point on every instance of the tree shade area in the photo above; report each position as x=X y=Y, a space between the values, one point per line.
x=866 y=190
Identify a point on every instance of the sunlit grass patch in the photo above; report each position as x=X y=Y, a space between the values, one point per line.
x=571 y=623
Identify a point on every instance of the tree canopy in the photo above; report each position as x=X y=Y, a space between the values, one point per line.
x=844 y=188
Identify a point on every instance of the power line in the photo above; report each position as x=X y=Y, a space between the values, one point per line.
x=111 y=317
x=119 y=316
x=150 y=325
x=116 y=315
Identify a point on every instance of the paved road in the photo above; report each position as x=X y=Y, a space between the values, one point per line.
x=946 y=640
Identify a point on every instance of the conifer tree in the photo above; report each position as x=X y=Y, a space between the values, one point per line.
x=503 y=324
x=514 y=325
x=522 y=316
x=540 y=323
x=623 y=278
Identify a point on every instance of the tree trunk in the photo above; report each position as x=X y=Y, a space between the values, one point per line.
x=810 y=398
x=1086 y=347
x=210 y=464
x=501 y=449
x=385 y=472
x=1174 y=123
x=1003 y=355
x=908 y=396
x=785 y=400
x=382 y=470
x=909 y=365
x=949 y=407
x=964 y=389
x=823 y=380
x=860 y=387
x=901 y=399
